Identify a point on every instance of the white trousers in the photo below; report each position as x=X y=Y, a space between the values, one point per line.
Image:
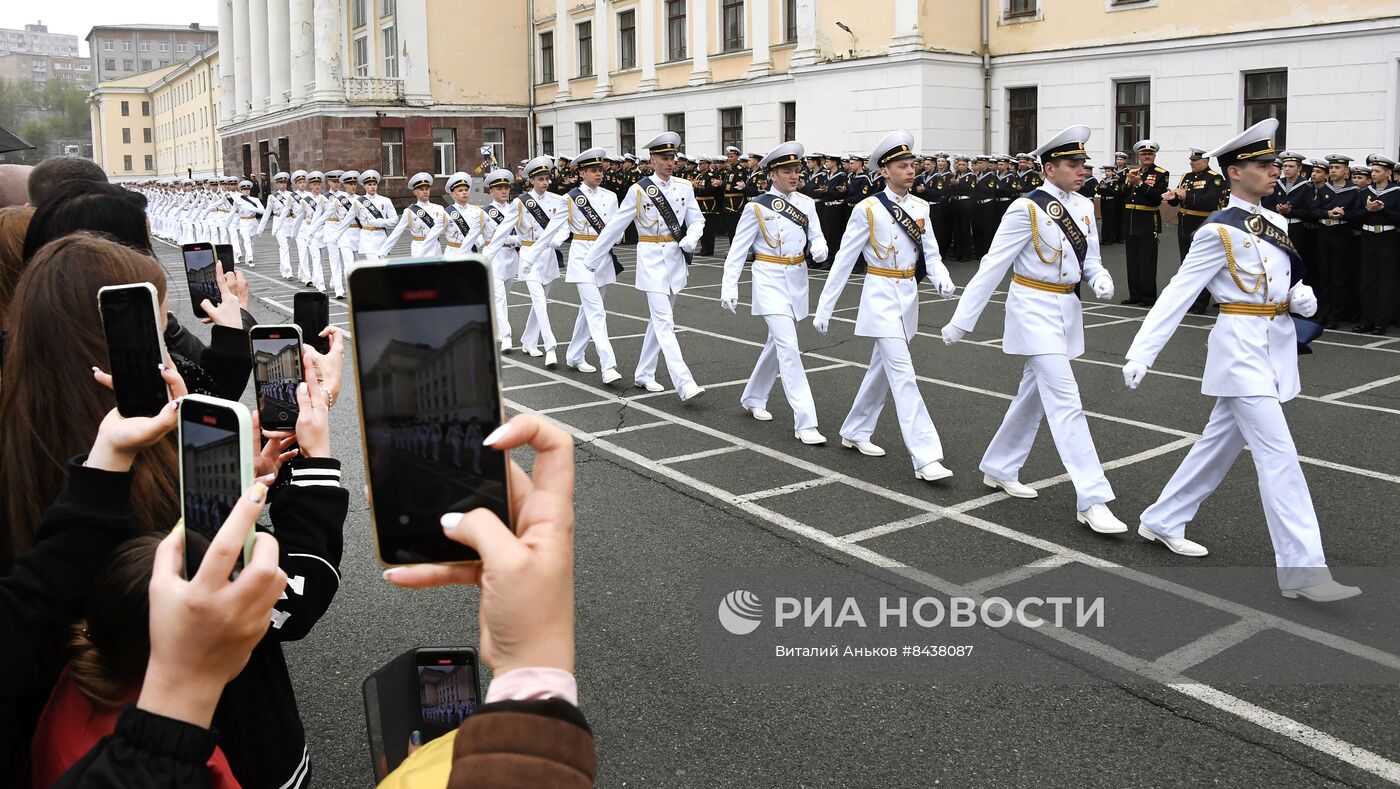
x=284 y=255
x=1288 y=507
x=661 y=339
x=501 y=293
x=303 y=260
x=537 y=327
x=892 y=372
x=246 y=233
x=1048 y=390
x=318 y=273
x=342 y=259
x=591 y=324
x=781 y=356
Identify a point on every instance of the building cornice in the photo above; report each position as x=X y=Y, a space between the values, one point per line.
x=323 y=109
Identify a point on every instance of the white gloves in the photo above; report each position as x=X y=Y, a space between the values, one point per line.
x=688 y=245
x=821 y=324
x=952 y=334
x=1103 y=286
x=592 y=265
x=819 y=254
x=729 y=304
x=511 y=241
x=1303 y=301
x=943 y=285
x=1133 y=373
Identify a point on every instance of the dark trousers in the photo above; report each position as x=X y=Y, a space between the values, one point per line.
x=729 y=222
x=1379 y=256
x=959 y=218
x=629 y=236
x=1112 y=221
x=1336 y=259
x=938 y=216
x=706 y=248
x=984 y=226
x=1142 y=268
x=833 y=221
x=1186 y=230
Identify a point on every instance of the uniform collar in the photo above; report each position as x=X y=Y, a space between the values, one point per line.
x=1236 y=202
x=773 y=190
x=1054 y=191
x=896 y=198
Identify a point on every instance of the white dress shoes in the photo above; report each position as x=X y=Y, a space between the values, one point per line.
x=1011 y=486
x=505 y=346
x=584 y=367
x=650 y=386
x=864 y=447
x=692 y=393
x=761 y=414
x=550 y=360
x=809 y=436
x=532 y=351
x=1179 y=545
x=933 y=472
x=1100 y=519
x=1326 y=592
x=611 y=375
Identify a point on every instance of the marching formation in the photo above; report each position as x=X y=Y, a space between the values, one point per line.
x=1259 y=247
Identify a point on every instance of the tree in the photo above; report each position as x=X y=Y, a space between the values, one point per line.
x=39 y=114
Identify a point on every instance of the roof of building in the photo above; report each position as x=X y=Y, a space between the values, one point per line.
x=194 y=27
x=138 y=81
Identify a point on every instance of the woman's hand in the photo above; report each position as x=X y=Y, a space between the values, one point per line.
x=120 y=438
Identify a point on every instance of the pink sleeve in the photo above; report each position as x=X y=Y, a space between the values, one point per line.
x=532 y=684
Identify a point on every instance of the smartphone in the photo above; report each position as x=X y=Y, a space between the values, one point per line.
x=276 y=374
x=224 y=252
x=429 y=393
x=216 y=466
x=134 y=347
x=312 y=312
x=430 y=690
x=201 y=275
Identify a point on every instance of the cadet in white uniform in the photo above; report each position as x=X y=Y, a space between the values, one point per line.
x=1244 y=257
x=1049 y=240
x=465 y=222
x=505 y=257
x=376 y=215
x=275 y=212
x=529 y=214
x=588 y=207
x=248 y=209
x=347 y=241
x=313 y=218
x=296 y=216
x=777 y=230
x=426 y=218
x=892 y=231
x=662 y=208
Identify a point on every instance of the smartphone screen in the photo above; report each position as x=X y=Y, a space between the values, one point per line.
x=215 y=468
x=312 y=313
x=224 y=252
x=134 y=348
x=447 y=689
x=201 y=275
x=277 y=373
x=429 y=394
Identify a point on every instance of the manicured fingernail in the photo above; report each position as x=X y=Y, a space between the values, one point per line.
x=450 y=520
x=416 y=737
x=259 y=492
x=94 y=369
x=161 y=366
x=496 y=435
x=391 y=572
x=301 y=387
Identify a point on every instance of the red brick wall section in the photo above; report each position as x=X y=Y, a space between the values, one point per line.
x=326 y=142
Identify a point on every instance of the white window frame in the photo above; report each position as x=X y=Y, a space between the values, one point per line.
x=498 y=147
x=582 y=52
x=666 y=35
x=126 y=46
x=108 y=46
x=390 y=62
x=359 y=55
x=1004 y=19
x=1114 y=6
x=442 y=150
x=743 y=27
x=617 y=25
x=388 y=7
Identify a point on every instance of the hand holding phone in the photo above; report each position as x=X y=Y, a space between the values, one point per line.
x=201 y=273
x=135 y=349
x=426 y=692
x=120 y=439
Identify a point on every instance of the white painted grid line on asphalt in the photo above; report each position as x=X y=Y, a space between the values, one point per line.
x=1335 y=396
x=1208 y=646
x=535 y=385
x=708 y=453
x=891 y=527
x=1017 y=574
x=806 y=484
x=620 y=430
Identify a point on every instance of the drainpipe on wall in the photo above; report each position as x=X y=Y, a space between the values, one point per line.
x=530 y=88
x=986 y=80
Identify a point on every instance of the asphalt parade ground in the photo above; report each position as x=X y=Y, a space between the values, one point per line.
x=668 y=491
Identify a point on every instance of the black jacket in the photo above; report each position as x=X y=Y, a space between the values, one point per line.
x=219 y=369
x=45 y=594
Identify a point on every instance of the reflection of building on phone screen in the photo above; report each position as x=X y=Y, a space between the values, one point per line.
x=199 y=266
x=211 y=475
x=446 y=696
x=277 y=368
x=430 y=400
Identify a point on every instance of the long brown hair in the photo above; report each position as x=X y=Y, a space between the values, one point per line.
x=112 y=643
x=50 y=406
x=14 y=222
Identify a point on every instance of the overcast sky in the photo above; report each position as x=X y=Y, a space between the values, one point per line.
x=77 y=17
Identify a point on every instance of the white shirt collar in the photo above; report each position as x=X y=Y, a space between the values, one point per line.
x=773 y=190
x=1055 y=191
x=894 y=196
x=1236 y=202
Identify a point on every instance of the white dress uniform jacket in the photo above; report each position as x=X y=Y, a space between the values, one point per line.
x=460 y=244
x=374 y=229
x=425 y=236
x=660 y=263
x=1247 y=355
x=530 y=234
x=1037 y=321
x=572 y=222
x=502 y=246
x=778 y=288
x=889 y=307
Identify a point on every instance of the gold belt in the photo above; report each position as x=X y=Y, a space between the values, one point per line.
x=1136 y=207
x=656 y=239
x=584 y=237
x=527 y=243
x=454 y=244
x=781 y=260
x=332 y=219
x=420 y=238
x=1192 y=212
x=892 y=273
x=1265 y=310
x=1035 y=284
